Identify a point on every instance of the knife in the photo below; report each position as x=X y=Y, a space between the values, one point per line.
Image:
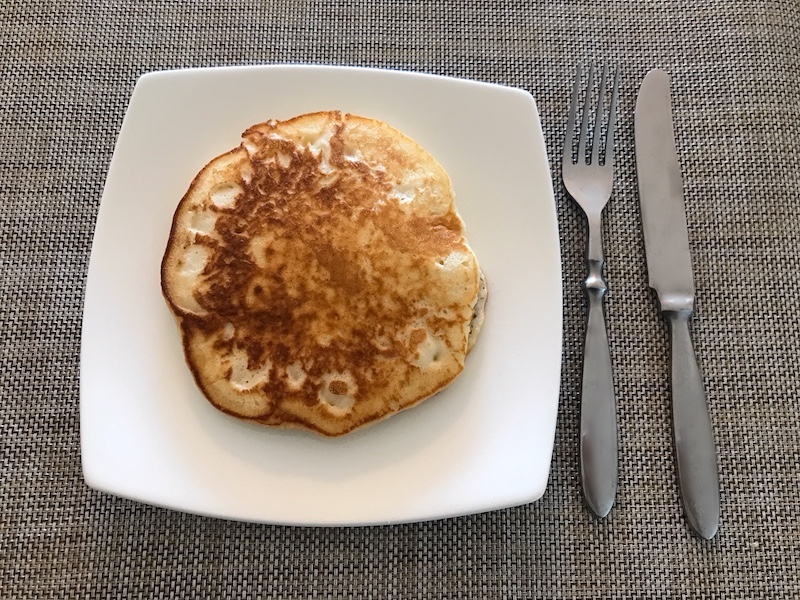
x=669 y=268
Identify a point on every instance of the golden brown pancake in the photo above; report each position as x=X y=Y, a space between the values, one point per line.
x=320 y=276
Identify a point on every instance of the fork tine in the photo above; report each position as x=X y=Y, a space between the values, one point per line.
x=585 y=122
x=573 y=110
x=596 y=139
x=609 y=159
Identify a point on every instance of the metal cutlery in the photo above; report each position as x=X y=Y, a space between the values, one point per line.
x=588 y=178
x=669 y=269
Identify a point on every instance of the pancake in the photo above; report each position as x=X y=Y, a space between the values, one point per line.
x=320 y=275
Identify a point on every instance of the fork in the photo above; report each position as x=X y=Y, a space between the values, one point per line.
x=589 y=181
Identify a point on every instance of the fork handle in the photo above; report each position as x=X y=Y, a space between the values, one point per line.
x=694 y=439
x=598 y=444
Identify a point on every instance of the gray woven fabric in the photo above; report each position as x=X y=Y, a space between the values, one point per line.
x=68 y=70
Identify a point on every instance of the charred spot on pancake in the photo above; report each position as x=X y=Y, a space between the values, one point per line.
x=337 y=387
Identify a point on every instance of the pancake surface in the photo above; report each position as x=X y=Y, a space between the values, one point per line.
x=320 y=276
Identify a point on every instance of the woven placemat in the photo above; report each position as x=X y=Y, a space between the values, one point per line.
x=68 y=70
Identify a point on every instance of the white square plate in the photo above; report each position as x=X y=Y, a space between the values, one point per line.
x=484 y=443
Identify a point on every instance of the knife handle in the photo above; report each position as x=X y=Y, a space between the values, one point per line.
x=694 y=439
x=598 y=444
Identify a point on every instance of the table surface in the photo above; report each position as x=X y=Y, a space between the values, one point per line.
x=68 y=71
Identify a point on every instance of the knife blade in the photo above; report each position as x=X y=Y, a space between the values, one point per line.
x=669 y=268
